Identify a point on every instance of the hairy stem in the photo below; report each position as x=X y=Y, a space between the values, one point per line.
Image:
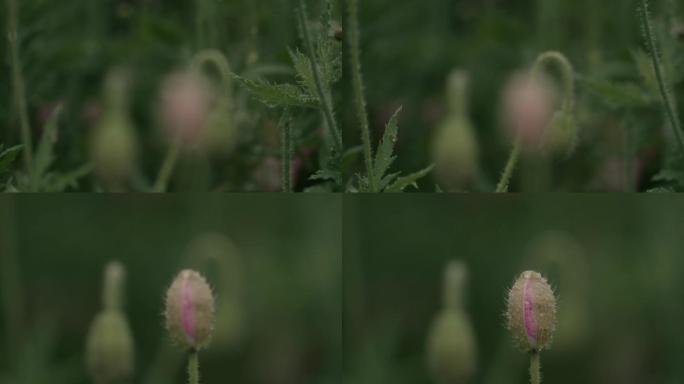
x=357 y=84
x=320 y=88
x=567 y=74
x=670 y=110
x=505 y=180
x=18 y=81
x=167 y=168
x=535 y=368
x=218 y=60
x=286 y=151
x=193 y=368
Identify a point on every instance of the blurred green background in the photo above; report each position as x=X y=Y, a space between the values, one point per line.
x=278 y=286
x=615 y=264
x=410 y=47
x=69 y=47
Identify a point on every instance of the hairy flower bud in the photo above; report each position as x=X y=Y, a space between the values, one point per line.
x=527 y=107
x=451 y=345
x=531 y=312
x=190 y=310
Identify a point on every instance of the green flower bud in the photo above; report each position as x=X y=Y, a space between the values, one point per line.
x=455 y=149
x=190 y=310
x=110 y=346
x=531 y=312
x=219 y=133
x=560 y=137
x=113 y=144
x=451 y=346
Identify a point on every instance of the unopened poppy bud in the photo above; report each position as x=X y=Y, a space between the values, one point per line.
x=190 y=310
x=184 y=109
x=451 y=346
x=455 y=149
x=527 y=107
x=531 y=312
x=560 y=138
x=110 y=348
x=113 y=144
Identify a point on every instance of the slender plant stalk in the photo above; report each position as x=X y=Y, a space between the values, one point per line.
x=18 y=81
x=218 y=60
x=567 y=74
x=670 y=109
x=167 y=168
x=286 y=151
x=505 y=180
x=357 y=84
x=535 y=368
x=320 y=88
x=193 y=368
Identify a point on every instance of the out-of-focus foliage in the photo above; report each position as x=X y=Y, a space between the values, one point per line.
x=68 y=48
x=615 y=265
x=410 y=47
x=277 y=285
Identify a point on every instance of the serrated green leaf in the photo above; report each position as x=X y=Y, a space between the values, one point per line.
x=278 y=95
x=387 y=180
x=8 y=156
x=45 y=153
x=302 y=66
x=410 y=180
x=619 y=95
x=384 y=156
x=326 y=174
x=62 y=181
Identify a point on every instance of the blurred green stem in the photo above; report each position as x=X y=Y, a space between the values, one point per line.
x=286 y=151
x=193 y=368
x=535 y=368
x=357 y=83
x=505 y=180
x=216 y=58
x=18 y=81
x=326 y=104
x=670 y=109
x=167 y=168
x=567 y=74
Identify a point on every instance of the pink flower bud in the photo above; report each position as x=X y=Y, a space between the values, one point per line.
x=531 y=311
x=185 y=102
x=190 y=310
x=527 y=108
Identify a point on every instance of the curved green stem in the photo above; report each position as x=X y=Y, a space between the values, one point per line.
x=193 y=368
x=535 y=368
x=357 y=84
x=567 y=74
x=286 y=151
x=218 y=60
x=670 y=109
x=167 y=168
x=502 y=186
x=18 y=81
x=320 y=88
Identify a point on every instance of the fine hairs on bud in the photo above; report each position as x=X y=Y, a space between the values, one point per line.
x=110 y=347
x=531 y=312
x=189 y=311
x=451 y=345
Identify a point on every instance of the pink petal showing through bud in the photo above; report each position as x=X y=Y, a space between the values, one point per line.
x=528 y=314
x=187 y=312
